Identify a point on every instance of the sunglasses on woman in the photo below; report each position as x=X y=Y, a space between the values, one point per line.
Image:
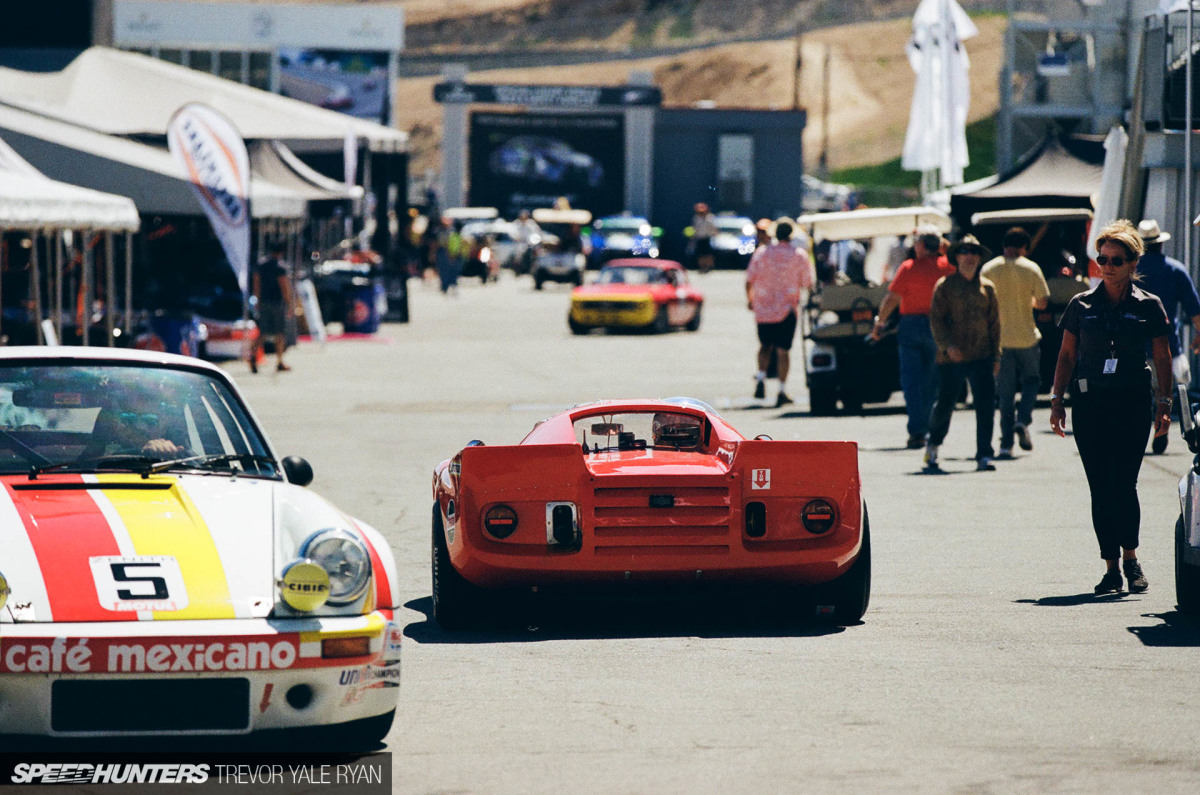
x=1115 y=262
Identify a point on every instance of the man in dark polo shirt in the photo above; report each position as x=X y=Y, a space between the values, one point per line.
x=272 y=288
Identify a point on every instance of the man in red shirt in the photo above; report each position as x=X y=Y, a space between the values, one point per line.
x=911 y=291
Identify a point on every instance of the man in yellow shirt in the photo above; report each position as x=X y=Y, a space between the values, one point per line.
x=1020 y=289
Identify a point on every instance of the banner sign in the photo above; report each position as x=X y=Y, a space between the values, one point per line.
x=213 y=156
x=520 y=161
x=548 y=96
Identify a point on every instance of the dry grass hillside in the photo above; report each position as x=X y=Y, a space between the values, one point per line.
x=871 y=81
x=870 y=78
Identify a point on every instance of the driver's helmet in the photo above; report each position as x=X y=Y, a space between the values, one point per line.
x=676 y=430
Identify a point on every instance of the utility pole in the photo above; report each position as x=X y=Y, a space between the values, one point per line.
x=797 y=70
x=823 y=163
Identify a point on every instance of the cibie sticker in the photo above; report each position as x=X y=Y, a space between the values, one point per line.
x=139 y=582
x=760 y=479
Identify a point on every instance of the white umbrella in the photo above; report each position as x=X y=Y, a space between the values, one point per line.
x=1106 y=203
x=936 y=140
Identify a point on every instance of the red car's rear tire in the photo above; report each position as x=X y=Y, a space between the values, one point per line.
x=456 y=603
x=850 y=594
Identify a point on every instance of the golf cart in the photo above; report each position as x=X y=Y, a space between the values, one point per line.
x=560 y=255
x=841 y=362
x=471 y=223
x=1187 y=527
x=1059 y=247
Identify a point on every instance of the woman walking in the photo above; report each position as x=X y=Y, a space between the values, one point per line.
x=1105 y=331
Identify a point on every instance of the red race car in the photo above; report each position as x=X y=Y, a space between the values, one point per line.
x=649 y=294
x=661 y=492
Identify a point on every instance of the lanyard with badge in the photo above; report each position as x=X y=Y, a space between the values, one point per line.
x=1112 y=321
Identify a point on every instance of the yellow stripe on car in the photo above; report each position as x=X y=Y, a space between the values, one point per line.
x=167 y=522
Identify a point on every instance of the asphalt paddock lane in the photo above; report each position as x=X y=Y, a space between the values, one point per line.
x=984 y=663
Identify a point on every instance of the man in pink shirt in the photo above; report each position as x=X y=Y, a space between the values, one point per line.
x=777 y=276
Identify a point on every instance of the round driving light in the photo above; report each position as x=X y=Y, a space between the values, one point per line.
x=345 y=559
x=500 y=521
x=819 y=516
x=4 y=591
x=304 y=585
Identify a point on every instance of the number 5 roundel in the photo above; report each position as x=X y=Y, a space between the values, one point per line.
x=139 y=582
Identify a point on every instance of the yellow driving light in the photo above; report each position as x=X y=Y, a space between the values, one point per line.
x=304 y=585
x=4 y=591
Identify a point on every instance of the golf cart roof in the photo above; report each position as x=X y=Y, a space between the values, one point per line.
x=470 y=213
x=547 y=215
x=872 y=222
x=1034 y=215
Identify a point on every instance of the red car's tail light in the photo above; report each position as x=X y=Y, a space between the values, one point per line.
x=819 y=516
x=500 y=521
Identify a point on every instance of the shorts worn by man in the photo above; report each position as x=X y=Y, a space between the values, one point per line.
x=776 y=278
x=1020 y=288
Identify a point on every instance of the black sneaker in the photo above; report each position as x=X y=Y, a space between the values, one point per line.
x=1023 y=437
x=1111 y=583
x=915 y=442
x=1159 y=445
x=760 y=390
x=782 y=400
x=1137 y=580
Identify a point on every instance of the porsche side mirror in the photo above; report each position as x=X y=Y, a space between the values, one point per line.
x=297 y=470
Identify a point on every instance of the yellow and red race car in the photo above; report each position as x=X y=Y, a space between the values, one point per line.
x=648 y=294
x=665 y=492
x=162 y=572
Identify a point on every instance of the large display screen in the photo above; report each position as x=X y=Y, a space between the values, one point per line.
x=351 y=82
x=524 y=161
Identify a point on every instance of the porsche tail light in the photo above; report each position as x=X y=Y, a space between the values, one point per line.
x=819 y=516
x=500 y=521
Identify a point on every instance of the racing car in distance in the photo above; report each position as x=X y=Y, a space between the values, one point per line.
x=636 y=294
x=622 y=236
x=734 y=242
x=163 y=573
x=616 y=494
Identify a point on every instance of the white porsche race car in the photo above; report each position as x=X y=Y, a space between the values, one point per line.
x=162 y=572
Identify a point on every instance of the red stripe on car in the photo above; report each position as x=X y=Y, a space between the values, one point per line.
x=66 y=528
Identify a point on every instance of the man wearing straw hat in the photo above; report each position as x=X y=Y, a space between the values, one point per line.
x=1169 y=280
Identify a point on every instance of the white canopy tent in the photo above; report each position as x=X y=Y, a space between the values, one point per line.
x=146 y=174
x=31 y=202
x=95 y=91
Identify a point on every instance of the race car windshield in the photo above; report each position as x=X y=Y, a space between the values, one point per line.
x=632 y=275
x=107 y=417
x=734 y=226
x=643 y=430
x=631 y=226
